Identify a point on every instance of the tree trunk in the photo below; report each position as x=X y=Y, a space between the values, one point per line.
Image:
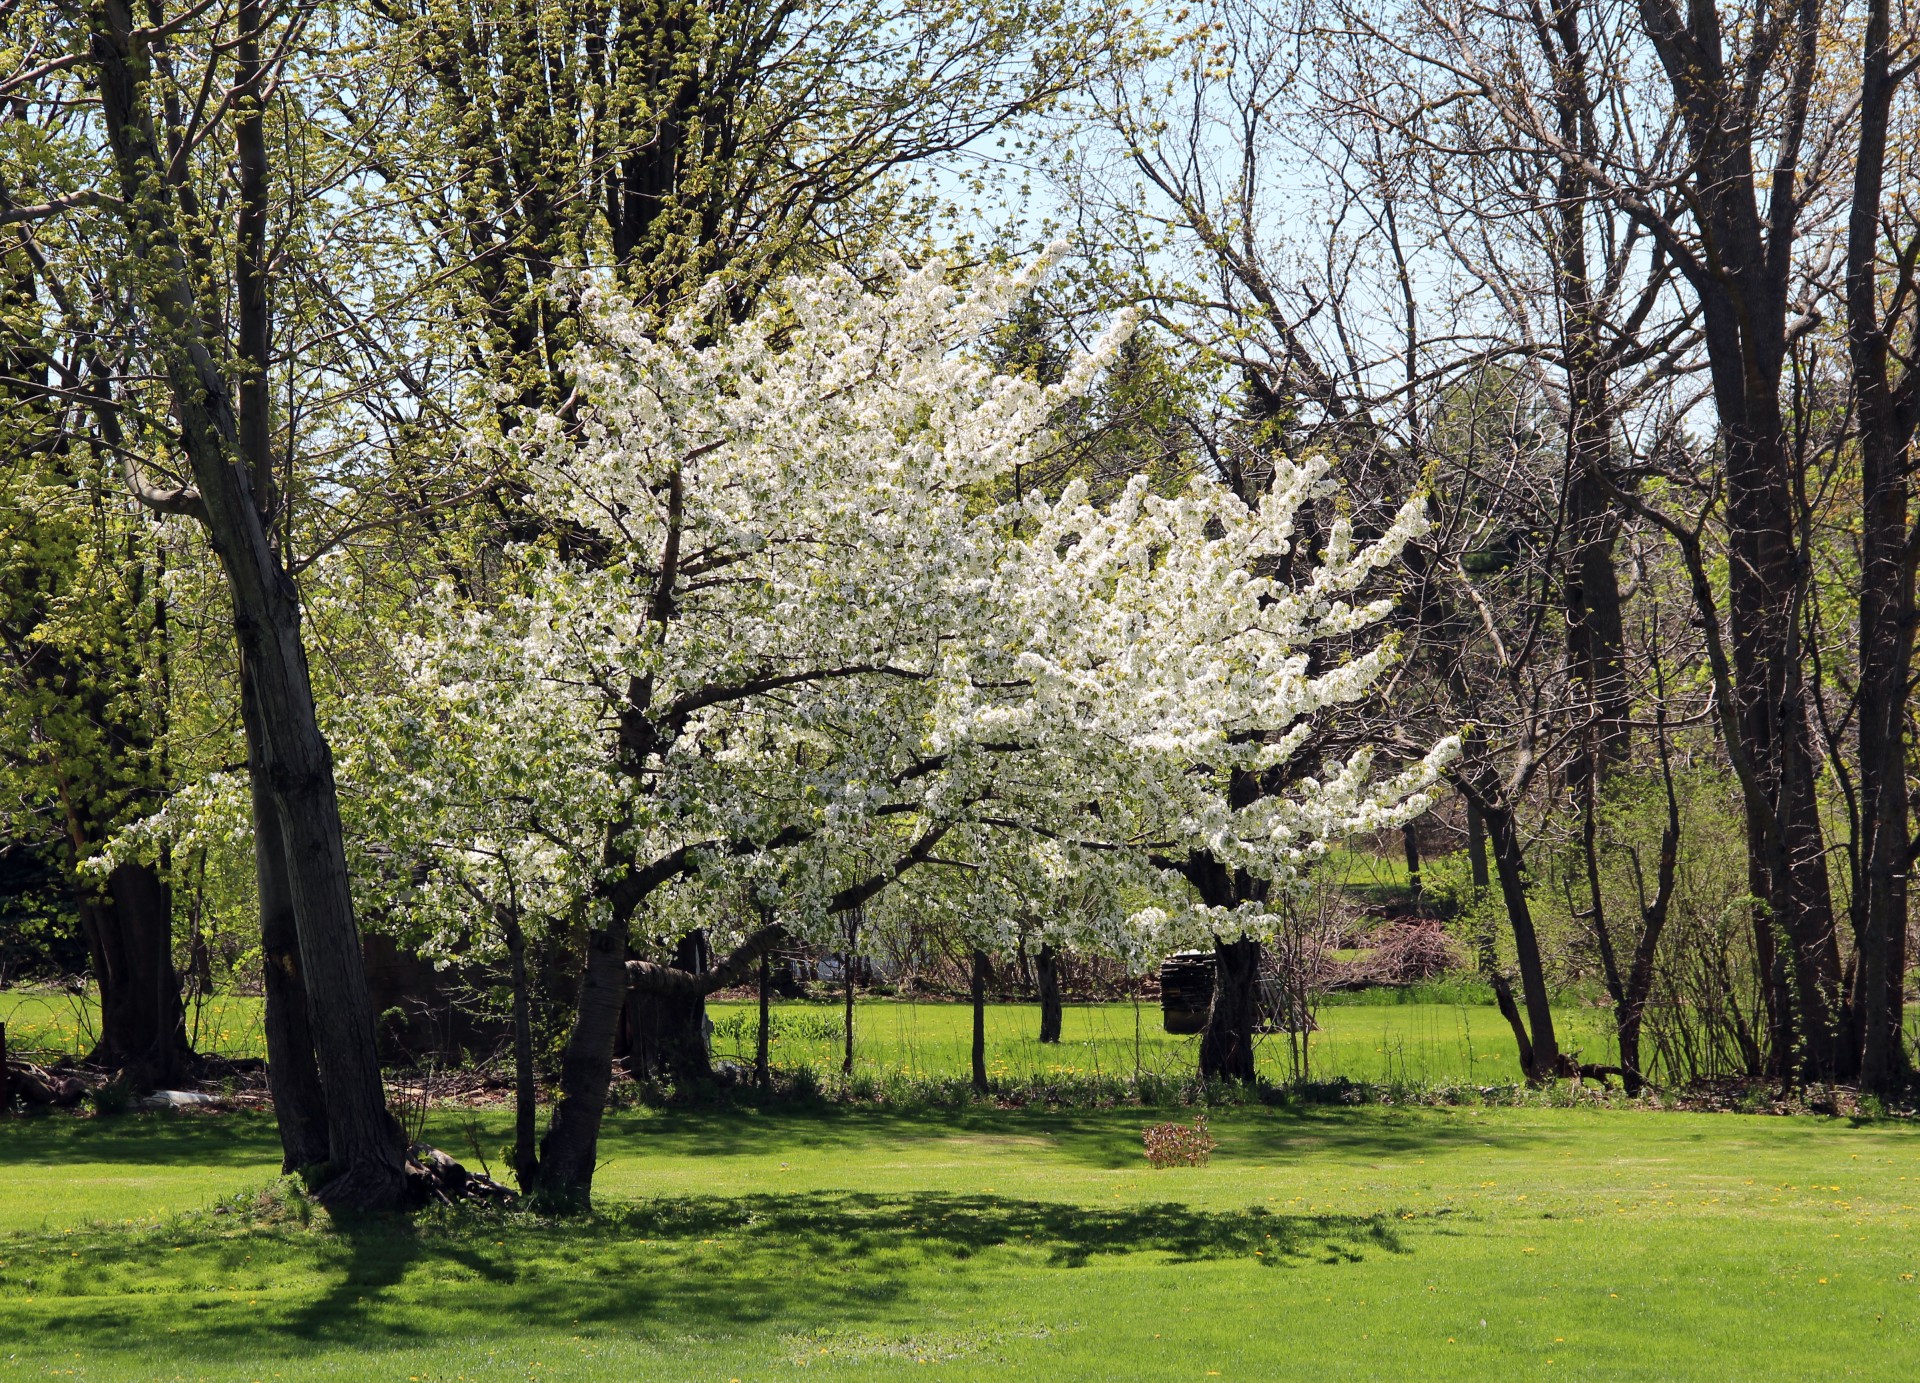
x=846 y=975
x=299 y=1101
x=1888 y=414
x=572 y=1141
x=586 y=1069
x=233 y=489
x=1049 y=969
x=1510 y=864
x=526 y=1158
x=762 y=1067
x=128 y=927
x=978 y=992
x=1743 y=277
x=1485 y=943
x=1503 y=1000
x=669 y=1031
x=1226 y=1046
x=1410 y=843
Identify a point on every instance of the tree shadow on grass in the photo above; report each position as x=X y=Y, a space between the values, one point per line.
x=668 y=1269
x=852 y=1225
x=1101 y=1138
x=165 y=1139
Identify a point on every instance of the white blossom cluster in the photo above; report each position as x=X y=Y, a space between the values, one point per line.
x=805 y=621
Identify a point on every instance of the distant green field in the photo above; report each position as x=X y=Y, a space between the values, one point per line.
x=1427 y=1043
x=53 y=1022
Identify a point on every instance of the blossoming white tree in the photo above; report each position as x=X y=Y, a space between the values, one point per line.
x=815 y=634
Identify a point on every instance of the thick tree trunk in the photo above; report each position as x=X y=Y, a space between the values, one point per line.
x=669 y=1031
x=1596 y=631
x=128 y=927
x=1410 y=844
x=567 y=1153
x=299 y=1101
x=1048 y=966
x=1226 y=1046
x=363 y=1142
x=1743 y=277
x=977 y=991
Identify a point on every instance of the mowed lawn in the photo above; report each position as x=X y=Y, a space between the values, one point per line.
x=1421 y=1043
x=842 y=1242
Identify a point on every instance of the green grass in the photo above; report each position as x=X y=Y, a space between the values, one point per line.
x=51 y=1022
x=1444 y=1043
x=1423 y=1043
x=847 y=1243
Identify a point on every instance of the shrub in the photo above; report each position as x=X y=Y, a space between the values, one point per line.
x=1178 y=1145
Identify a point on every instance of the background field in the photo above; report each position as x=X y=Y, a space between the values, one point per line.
x=848 y=1243
x=1443 y=1043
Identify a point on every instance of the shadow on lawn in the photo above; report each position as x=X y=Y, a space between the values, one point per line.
x=666 y=1268
x=167 y=1139
x=1103 y=1138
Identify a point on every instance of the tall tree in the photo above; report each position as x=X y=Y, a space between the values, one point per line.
x=1882 y=314
x=217 y=368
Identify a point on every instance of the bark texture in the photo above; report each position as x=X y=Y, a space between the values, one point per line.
x=128 y=927
x=668 y=1031
x=1226 y=1047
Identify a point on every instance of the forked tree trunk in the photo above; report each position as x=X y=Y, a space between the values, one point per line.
x=230 y=456
x=669 y=1031
x=978 y=992
x=1226 y=1046
x=1049 y=968
x=128 y=928
x=1539 y=1049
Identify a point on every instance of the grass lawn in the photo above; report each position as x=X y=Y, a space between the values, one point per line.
x=837 y=1242
x=1423 y=1043
x=1419 y=1042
